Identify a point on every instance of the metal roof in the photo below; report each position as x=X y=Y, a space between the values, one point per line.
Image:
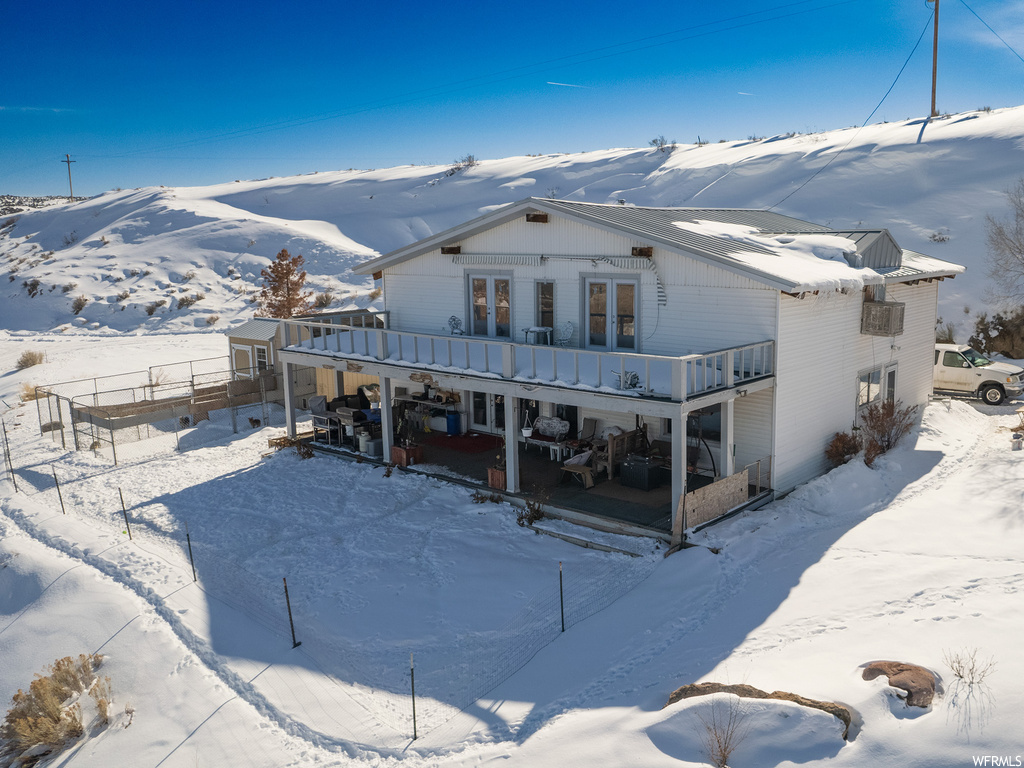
x=660 y=226
x=258 y=329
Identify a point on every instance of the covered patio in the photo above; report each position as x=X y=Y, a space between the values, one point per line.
x=502 y=386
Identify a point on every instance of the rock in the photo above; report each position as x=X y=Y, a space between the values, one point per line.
x=750 y=692
x=918 y=682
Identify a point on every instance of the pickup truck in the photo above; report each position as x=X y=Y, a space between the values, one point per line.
x=960 y=370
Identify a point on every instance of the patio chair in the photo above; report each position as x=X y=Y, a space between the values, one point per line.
x=324 y=421
x=563 y=334
x=455 y=326
x=579 y=467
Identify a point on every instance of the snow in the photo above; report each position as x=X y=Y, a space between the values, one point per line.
x=922 y=180
x=912 y=560
x=813 y=262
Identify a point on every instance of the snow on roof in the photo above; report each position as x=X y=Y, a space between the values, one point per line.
x=917 y=266
x=810 y=262
x=258 y=328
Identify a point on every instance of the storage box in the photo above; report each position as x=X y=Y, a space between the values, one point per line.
x=639 y=472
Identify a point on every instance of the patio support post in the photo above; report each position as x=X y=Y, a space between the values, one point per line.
x=289 y=399
x=387 y=429
x=511 y=445
x=678 y=475
x=728 y=459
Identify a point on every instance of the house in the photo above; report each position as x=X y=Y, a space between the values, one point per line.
x=738 y=341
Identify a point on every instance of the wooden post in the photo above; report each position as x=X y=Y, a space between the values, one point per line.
x=561 y=595
x=7 y=457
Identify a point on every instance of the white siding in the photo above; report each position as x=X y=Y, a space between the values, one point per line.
x=816 y=377
x=707 y=308
x=752 y=427
x=821 y=352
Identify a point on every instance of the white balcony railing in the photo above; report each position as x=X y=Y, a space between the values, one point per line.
x=677 y=378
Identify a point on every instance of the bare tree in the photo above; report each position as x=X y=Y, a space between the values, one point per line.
x=1006 y=248
x=282 y=294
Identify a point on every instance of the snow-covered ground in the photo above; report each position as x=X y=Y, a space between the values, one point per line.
x=133 y=255
x=913 y=560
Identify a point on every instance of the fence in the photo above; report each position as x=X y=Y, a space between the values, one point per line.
x=362 y=692
x=156 y=415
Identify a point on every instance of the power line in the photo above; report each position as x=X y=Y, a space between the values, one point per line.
x=965 y=5
x=877 y=107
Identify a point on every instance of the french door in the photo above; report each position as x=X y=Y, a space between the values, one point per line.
x=487 y=412
x=611 y=314
x=491 y=311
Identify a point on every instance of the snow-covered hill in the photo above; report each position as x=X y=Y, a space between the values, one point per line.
x=133 y=255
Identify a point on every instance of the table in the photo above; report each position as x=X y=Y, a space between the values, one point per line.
x=538 y=332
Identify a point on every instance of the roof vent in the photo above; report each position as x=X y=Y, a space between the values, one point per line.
x=537 y=218
x=643 y=251
x=451 y=250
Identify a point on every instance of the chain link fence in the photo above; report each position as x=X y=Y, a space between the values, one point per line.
x=170 y=408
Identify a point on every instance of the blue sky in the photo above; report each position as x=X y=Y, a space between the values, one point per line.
x=144 y=94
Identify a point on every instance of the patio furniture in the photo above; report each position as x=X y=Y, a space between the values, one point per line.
x=619 y=446
x=579 y=467
x=563 y=334
x=549 y=432
x=540 y=334
x=455 y=326
x=324 y=421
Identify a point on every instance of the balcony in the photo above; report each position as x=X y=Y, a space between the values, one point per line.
x=637 y=375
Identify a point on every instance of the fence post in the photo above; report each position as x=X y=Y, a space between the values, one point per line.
x=412 y=680
x=561 y=595
x=190 y=558
x=125 y=511
x=288 y=602
x=8 y=460
x=59 y=496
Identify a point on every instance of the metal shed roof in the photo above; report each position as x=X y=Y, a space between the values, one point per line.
x=257 y=329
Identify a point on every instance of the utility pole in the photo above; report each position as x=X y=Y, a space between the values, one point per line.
x=69 y=161
x=935 y=55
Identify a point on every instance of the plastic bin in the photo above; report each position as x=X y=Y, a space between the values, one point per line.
x=454 y=423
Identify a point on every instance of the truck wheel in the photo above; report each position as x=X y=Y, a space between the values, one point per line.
x=992 y=394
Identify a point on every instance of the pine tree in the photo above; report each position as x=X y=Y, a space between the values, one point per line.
x=282 y=294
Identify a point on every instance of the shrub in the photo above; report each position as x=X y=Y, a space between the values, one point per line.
x=28 y=359
x=123 y=295
x=28 y=392
x=725 y=728
x=69 y=287
x=44 y=718
x=662 y=144
x=967 y=666
x=190 y=275
x=461 y=164
x=79 y=304
x=375 y=293
x=187 y=301
x=1003 y=333
x=154 y=306
x=944 y=332
x=323 y=300
x=212 y=319
x=884 y=425
x=841 y=448
x=71 y=238
x=531 y=513
x=32 y=286
x=939 y=237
